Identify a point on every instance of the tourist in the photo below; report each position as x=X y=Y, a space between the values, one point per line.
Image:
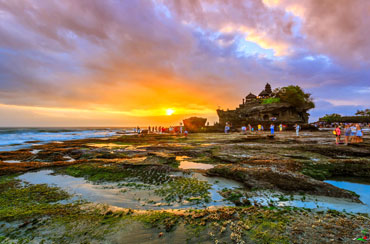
x=249 y=127
x=359 y=134
x=297 y=128
x=259 y=127
x=353 y=130
x=337 y=133
x=180 y=128
x=347 y=133
x=186 y=133
x=353 y=133
x=272 y=128
x=138 y=130
x=227 y=128
x=244 y=129
x=281 y=127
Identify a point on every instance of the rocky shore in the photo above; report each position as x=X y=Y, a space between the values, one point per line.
x=168 y=188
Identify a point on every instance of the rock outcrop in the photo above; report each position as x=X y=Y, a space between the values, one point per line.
x=253 y=110
x=194 y=124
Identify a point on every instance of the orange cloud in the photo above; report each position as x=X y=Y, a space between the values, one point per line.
x=87 y=62
x=82 y=117
x=261 y=38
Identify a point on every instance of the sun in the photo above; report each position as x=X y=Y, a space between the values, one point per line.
x=169 y=111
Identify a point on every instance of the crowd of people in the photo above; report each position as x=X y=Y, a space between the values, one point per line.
x=352 y=133
x=260 y=128
x=161 y=129
x=323 y=124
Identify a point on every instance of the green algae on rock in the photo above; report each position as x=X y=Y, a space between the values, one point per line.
x=45 y=214
x=20 y=200
x=185 y=189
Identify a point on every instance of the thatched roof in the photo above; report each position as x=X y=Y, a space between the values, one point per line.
x=251 y=96
x=264 y=93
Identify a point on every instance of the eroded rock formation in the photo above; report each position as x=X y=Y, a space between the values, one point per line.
x=255 y=109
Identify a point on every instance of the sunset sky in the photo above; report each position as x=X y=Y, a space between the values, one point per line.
x=126 y=62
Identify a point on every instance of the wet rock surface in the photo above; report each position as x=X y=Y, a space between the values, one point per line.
x=286 y=181
x=154 y=172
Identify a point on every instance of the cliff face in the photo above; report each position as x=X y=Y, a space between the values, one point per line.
x=256 y=112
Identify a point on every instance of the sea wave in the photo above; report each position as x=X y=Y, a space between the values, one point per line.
x=17 y=138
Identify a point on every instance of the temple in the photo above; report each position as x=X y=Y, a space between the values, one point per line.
x=253 y=110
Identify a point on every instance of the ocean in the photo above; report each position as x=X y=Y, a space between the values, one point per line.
x=17 y=138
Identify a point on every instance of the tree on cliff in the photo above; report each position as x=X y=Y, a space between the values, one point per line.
x=295 y=96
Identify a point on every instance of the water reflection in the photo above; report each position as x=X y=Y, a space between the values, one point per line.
x=118 y=194
x=192 y=165
x=12 y=161
x=357 y=185
x=360 y=186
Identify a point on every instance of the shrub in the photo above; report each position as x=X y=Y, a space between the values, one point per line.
x=271 y=100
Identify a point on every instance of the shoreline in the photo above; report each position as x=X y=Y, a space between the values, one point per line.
x=291 y=168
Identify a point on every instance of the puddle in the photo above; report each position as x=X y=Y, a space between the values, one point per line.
x=319 y=203
x=35 y=151
x=102 y=193
x=192 y=165
x=12 y=161
x=236 y=155
x=120 y=194
x=69 y=159
x=360 y=186
x=219 y=183
x=135 y=160
x=209 y=144
x=181 y=158
x=136 y=195
x=134 y=148
x=107 y=145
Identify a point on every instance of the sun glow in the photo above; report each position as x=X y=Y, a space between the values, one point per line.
x=169 y=111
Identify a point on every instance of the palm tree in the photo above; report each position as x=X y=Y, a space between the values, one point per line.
x=367 y=112
x=360 y=112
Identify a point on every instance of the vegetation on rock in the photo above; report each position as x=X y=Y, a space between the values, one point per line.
x=189 y=189
x=46 y=214
x=20 y=200
x=271 y=100
x=295 y=96
x=114 y=173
